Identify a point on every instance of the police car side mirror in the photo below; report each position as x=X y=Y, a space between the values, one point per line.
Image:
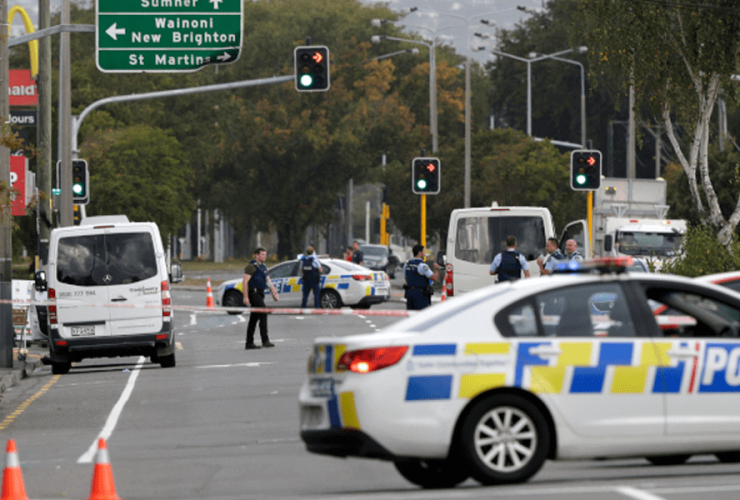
x=39 y=282
x=441 y=258
x=608 y=242
x=176 y=275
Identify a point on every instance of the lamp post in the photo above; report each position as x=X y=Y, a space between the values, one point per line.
x=414 y=52
x=529 y=76
x=432 y=76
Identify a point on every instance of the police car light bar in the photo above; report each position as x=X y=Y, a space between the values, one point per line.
x=599 y=266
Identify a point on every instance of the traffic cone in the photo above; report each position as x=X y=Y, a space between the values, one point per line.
x=13 y=488
x=103 y=487
x=209 y=294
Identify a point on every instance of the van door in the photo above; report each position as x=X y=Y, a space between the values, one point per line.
x=81 y=294
x=577 y=230
x=134 y=281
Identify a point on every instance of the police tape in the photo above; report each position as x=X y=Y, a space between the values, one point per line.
x=220 y=310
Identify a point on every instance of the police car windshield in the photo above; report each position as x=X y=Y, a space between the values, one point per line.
x=666 y=244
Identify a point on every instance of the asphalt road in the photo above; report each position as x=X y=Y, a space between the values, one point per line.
x=223 y=424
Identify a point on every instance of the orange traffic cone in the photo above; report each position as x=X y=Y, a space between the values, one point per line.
x=103 y=487
x=13 y=488
x=209 y=294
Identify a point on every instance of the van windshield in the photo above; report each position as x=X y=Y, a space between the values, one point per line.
x=106 y=259
x=479 y=239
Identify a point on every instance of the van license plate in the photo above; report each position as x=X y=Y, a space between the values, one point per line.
x=82 y=331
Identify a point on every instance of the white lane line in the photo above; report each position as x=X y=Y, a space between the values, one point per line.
x=256 y=363
x=193 y=319
x=631 y=492
x=112 y=420
x=241 y=319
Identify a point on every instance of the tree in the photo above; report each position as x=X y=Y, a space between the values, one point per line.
x=678 y=55
x=139 y=171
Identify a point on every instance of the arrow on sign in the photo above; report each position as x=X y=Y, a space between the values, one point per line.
x=114 y=32
x=225 y=57
x=215 y=3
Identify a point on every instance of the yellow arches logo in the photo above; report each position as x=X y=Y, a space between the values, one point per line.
x=33 y=45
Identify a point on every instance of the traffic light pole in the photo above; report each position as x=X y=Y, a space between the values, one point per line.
x=590 y=218
x=424 y=220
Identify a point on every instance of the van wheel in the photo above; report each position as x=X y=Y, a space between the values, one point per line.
x=432 y=473
x=330 y=299
x=233 y=298
x=60 y=368
x=167 y=361
x=504 y=439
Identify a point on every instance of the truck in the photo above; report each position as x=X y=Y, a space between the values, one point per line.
x=629 y=218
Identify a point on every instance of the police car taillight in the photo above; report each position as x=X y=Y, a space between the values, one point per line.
x=368 y=360
x=52 y=307
x=361 y=277
x=166 y=300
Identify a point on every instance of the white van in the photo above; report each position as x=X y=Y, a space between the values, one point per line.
x=476 y=235
x=108 y=292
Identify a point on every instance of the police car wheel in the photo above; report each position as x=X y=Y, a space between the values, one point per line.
x=432 y=473
x=60 y=368
x=233 y=298
x=504 y=439
x=728 y=457
x=330 y=299
x=668 y=459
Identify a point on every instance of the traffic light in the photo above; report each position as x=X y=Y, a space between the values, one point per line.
x=80 y=182
x=312 y=68
x=585 y=170
x=425 y=175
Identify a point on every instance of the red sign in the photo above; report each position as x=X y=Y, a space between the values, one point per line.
x=18 y=182
x=22 y=90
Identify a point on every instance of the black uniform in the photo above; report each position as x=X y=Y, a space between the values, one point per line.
x=256 y=293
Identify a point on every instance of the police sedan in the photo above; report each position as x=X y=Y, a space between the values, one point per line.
x=491 y=384
x=342 y=284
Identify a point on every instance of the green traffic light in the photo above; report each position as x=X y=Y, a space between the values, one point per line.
x=306 y=80
x=77 y=189
x=581 y=179
x=421 y=184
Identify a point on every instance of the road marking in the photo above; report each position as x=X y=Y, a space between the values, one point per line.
x=178 y=346
x=252 y=364
x=631 y=492
x=110 y=424
x=193 y=319
x=18 y=411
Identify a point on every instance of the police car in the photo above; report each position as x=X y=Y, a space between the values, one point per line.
x=730 y=279
x=491 y=384
x=342 y=284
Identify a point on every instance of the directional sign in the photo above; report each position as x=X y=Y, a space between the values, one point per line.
x=165 y=36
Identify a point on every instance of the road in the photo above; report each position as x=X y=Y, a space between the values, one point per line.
x=223 y=424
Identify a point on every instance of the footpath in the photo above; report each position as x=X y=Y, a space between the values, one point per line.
x=23 y=367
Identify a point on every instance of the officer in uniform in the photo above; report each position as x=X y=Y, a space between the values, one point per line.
x=419 y=279
x=254 y=284
x=311 y=270
x=553 y=257
x=571 y=250
x=509 y=264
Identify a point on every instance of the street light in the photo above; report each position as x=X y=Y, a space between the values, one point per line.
x=581 y=50
x=414 y=52
x=529 y=76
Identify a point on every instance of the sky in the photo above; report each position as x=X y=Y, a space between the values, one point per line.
x=451 y=21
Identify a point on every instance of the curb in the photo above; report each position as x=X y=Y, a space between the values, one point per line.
x=19 y=371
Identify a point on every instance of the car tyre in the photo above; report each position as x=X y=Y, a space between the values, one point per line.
x=668 y=459
x=361 y=306
x=60 y=368
x=330 y=299
x=167 y=361
x=728 y=457
x=504 y=439
x=432 y=473
x=233 y=298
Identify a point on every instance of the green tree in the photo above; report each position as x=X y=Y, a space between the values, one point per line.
x=678 y=56
x=139 y=172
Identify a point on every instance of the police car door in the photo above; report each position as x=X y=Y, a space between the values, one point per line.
x=134 y=281
x=589 y=363
x=700 y=336
x=286 y=278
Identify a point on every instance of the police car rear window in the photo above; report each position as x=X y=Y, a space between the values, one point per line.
x=101 y=260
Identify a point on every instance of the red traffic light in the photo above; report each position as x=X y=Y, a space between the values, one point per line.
x=317 y=57
x=591 y=160
x=430 y=167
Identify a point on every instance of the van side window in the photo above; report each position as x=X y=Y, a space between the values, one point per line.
x=479 y=239
x=80 y=260
x=130 y=257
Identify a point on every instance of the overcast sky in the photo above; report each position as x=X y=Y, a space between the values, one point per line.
x=452 y=21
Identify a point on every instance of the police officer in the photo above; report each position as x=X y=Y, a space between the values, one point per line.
x=554 y=255
x=571 y=250
x=419 y=279
x=254 y=283
x=357 y=255
x=311 y=269
x=509 y=264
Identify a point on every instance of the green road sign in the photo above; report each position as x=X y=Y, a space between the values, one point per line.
x=159 y=36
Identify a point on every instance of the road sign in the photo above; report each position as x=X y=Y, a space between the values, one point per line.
x=166 y=36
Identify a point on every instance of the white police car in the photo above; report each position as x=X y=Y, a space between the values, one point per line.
x=342 y=284
x=491 y=384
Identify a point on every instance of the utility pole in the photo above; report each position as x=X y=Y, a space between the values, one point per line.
x=44 y=162
x=65 y=124
x=6 y=245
